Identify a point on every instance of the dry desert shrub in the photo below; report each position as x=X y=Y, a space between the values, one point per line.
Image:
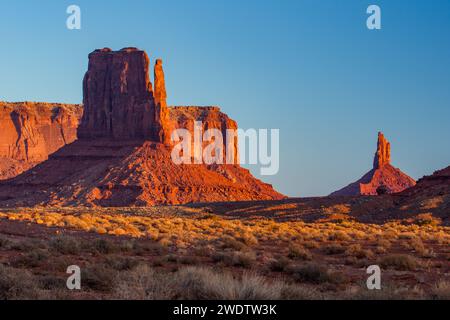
x=121 y=263
x=65 y=245
x=143 y=283
x=231 y=243
x=279 y=264
x=99 y=277
x=31 y=259
x=426 y=219
x=196 y=283
x=236 y=258
x=339 y=236
x=399 y=262
x=314 y=273
x=333 y=248
x=17 y=284
x=297 y=252
x=441 y=290
x=355 y=250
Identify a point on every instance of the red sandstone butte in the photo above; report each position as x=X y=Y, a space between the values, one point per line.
x=383 y=178
x=31 y=131
x=123 y=153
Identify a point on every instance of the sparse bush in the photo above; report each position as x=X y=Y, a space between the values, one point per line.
x=104 y=246
x=31 y=260
x=146 y=247
x=300 y=253
x=357 y=251
x=339 y=236
x=237 y=258
x=65 y=245
x=195 y=283
x=399 y=262
x=279 y=264
x=16 y=284
x=425 y=219
x=231 y=243
x=98 y=278
x=313 y=273
x=333 y=249
x=441 y=291
x=121 y=263
x=143 y=283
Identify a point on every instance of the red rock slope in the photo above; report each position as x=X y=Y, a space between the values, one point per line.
x=122 y=156
x=383 y=177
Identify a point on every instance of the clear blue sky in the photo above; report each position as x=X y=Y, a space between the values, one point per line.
x=310 y=68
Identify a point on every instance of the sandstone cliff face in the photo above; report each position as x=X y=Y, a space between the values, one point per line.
x=383 y=176
x=184 y=117
x=118 y=96
x=32 y=131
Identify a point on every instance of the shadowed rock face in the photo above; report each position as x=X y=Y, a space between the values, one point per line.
x=117 y=96
x=31 y=131
x=383 y=175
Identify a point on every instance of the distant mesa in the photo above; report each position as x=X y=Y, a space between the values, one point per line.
x=382 y=179
x=115 y=149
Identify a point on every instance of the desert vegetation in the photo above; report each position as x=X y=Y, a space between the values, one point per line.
x=128 y=253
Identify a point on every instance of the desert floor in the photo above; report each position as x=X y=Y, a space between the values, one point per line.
x=289 y=249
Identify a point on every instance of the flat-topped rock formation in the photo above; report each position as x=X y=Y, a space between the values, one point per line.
x=123 y=153
x=382 y=179
x=31 y=131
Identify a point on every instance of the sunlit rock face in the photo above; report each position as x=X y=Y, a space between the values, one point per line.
x=383 y=178
x=31 y=131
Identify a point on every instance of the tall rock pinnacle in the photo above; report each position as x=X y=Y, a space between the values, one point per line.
x=160 y=84
x=162 y=131
x=383 y=178
x=383 y=153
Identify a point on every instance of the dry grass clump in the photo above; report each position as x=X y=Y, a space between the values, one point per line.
x=195 y=283
x=65 y=245
x=399 y=262
x=16 y=284
x=297 y=252
x=143 y=283
x=236 y=258
x=231 y=243
x=31 y=259
x=98 y=278
x=441 y=290
x=200 y=283
x=425 y=219
x=279 y=264
x=314 y=273
x=355 y=250
x=333 y=248
x=339 y=236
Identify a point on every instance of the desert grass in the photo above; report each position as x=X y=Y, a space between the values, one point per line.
x=131 y=254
